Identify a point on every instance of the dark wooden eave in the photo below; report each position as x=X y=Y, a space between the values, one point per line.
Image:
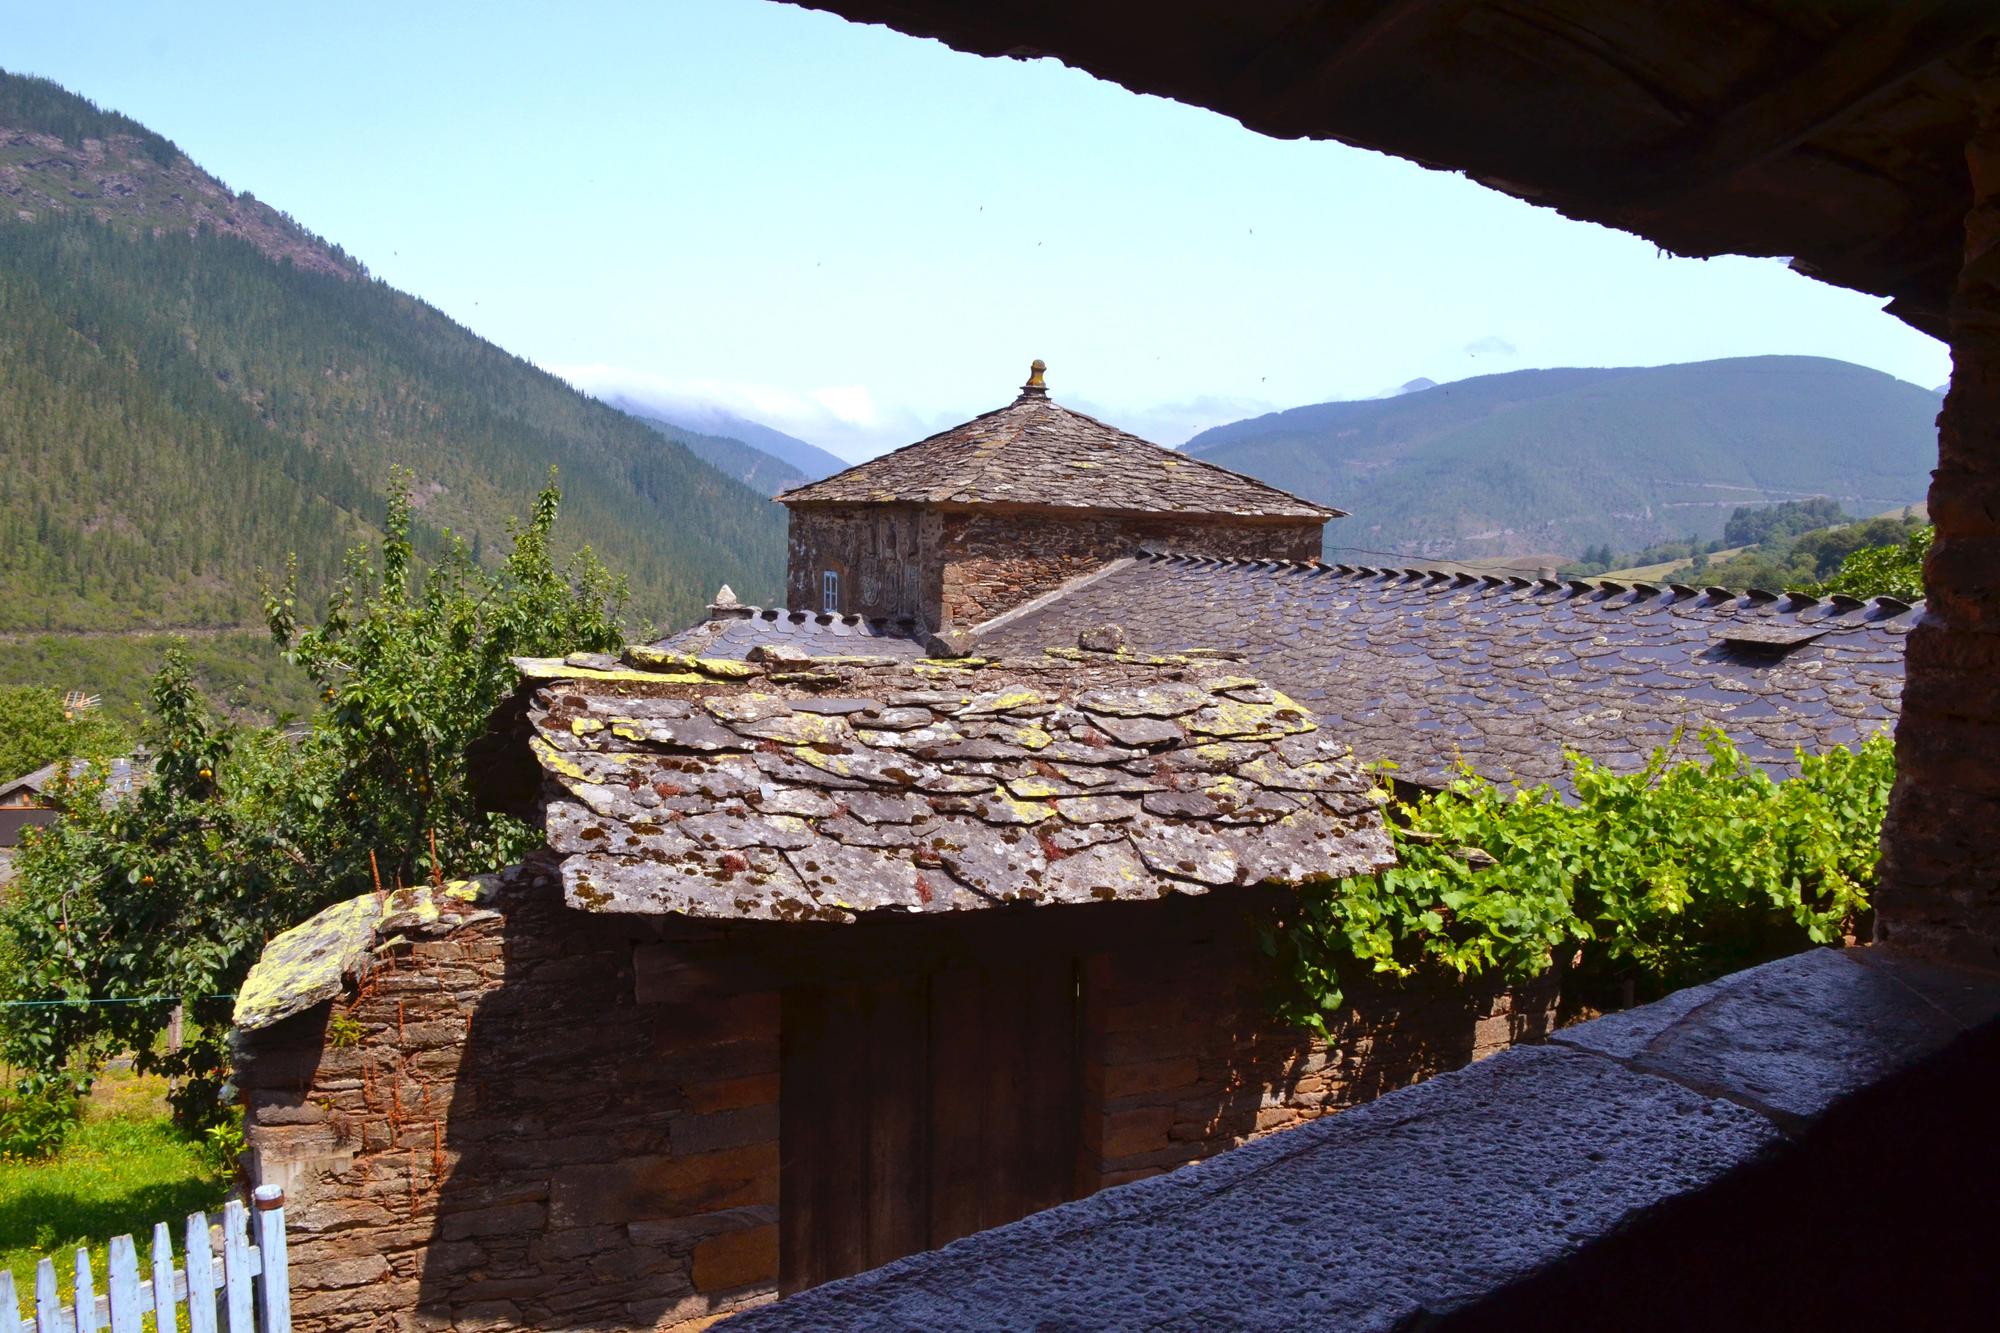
x=1829 y=133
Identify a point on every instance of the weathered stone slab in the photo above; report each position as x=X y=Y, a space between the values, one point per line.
x=727 y=830
x=1138 y=731
x=1097 y=809
x=876 y=807
x=1104 y=872
x=1186 y=852
x=1172 y=699
x=1795 y=1036
x=574 y=828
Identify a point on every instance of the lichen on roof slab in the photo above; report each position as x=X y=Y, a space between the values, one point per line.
x=864 y=786
x=314 y=961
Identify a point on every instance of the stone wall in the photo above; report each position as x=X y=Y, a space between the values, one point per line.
x=1941 y=869
x=993 y=562
x=1183 y=1060
x=550 y=1119
x=962 y=568
x=885 y=556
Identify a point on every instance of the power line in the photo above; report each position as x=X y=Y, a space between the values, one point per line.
x=116 y=999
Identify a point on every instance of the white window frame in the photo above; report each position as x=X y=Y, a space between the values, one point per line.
x=829 y=592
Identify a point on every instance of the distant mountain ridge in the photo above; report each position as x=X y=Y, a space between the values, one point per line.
x=753 y=467
x=808 y=460
x=1559 y=460
x=192 y=386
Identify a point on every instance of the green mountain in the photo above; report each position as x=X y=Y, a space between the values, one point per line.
x=192 y=386
x=1563 y=460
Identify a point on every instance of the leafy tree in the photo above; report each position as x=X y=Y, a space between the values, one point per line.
x=410 y=668
x=35 y=730
x=1884 y=571
x=167 y=895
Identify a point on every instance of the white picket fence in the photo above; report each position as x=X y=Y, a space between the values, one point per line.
x=248 y=1287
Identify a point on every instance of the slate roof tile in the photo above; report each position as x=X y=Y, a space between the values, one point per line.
x=1427 y=669
x=796 y=815
x=1038 y=454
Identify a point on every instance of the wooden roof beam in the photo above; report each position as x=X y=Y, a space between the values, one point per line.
x=1869 y=60
x=1327 y=48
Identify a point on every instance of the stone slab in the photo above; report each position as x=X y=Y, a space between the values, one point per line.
x=1420 y=1202
x=1793 y=1037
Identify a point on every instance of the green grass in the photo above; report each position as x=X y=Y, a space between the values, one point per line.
x=124 y=1167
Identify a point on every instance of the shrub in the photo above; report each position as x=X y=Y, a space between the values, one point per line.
x=36 y=1118
x=1656 y=879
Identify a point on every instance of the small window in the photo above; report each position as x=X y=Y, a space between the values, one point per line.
x=829 y=593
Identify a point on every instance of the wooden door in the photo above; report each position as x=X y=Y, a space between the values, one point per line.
x=916 y=1111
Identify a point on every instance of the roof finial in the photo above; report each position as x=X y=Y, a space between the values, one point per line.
x=1035 y=387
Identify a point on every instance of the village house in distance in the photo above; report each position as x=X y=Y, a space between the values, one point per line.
x=934 y=900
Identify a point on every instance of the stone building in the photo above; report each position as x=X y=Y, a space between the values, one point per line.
x=828 y=961
x=952 y=530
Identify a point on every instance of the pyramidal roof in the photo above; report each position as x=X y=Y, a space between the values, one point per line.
x=1035 y=453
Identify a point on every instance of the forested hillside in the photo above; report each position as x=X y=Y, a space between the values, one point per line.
x=185 y=399
x=1564 y=460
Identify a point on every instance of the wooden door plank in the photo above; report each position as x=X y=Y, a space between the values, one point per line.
x=896 y=1033
x=1050 y=1108
x=1004 y=1039
x=801 y=1142
x=958 y=1099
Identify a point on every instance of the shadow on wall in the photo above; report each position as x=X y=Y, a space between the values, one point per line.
x=609 y=1163
x=551 y=1119
x=1185 y=1060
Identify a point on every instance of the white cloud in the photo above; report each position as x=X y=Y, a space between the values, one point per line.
x=1177 y=423
x=843 y=418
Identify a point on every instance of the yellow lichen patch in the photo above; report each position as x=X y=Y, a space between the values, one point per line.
x=1221 y=683
x=584 y=726
x=307 y=964
x=554 y=668
x=720 y=668
x=803 y=729
x=1122 y=655
x=1002 y=701
x=1237 y=720
x=1025 y=812
x=1032 y=788
x=745 y=707
x=1030 y=738
x=1272 y=772
x=549 y=757
x=466 y=890
x=836 y=764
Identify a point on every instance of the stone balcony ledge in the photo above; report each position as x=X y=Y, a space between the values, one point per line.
x=1808 y=1139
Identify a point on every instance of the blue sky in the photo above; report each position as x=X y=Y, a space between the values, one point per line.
x=859 y=237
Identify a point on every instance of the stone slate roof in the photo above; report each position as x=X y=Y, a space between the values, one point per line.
x=1425 y=668
x=739 y=631
x=1038 y=454
x=825 y=790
